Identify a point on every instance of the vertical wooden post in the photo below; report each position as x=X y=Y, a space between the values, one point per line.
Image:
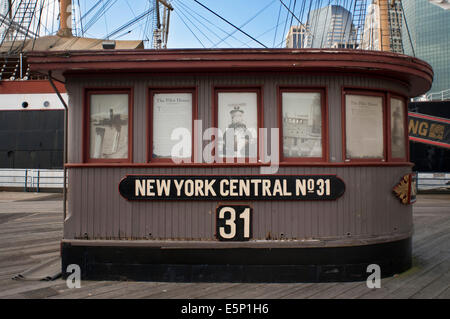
x=384 y=25
x=26 y=180
x=65 y=18
x=66 y=142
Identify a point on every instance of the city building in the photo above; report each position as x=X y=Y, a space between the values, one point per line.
x=372 y=27
x=442 y=3
x=4 y=10
x=429 y=28
x=395 y=13
x=296 y=37
x=330 y=27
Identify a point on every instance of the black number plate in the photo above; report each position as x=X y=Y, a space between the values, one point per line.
x=234 y=222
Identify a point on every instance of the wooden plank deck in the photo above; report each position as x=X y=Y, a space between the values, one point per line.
x=30 y=231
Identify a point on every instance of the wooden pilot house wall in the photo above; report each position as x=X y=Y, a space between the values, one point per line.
x=341 y=146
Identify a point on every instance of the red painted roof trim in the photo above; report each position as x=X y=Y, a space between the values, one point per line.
x=417 y=74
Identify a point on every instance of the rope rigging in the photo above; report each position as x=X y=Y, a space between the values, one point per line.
x=130 y=23
x=181 y=5
x=228 y=22
x=30 y=19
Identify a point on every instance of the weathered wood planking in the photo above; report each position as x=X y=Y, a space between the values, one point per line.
x=363 y=216
x=111 y=217
x=429 y=277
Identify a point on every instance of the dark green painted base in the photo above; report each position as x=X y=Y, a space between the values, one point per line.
x=337 y=264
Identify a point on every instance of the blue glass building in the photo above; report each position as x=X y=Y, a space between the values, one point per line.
x=330 y=26
x=429 y=27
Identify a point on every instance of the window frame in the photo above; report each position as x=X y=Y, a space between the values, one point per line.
x=364 y=92
x=324 y=115
x=164 y=90
x=260 y=120
x=405 y=128
x=88 y=92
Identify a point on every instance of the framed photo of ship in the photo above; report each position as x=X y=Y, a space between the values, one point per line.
x=109 y=126
x=398 y=134
x=301 y=123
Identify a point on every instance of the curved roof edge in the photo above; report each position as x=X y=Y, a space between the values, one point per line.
x=415 y=73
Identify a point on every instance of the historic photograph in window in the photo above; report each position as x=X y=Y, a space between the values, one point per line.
x=398 y=144
x=364 y=127
x=171 y=111
x=109 y=126
x=302 y=124
x=238 y=123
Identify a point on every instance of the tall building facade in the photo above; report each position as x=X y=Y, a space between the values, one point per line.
x=330 y=27
x=445 y=4
x=371 y=36
x=429 y=27
x=372 y=27
x=4 y=7
x=395 y=13
x=296 y=37
x=4 y=10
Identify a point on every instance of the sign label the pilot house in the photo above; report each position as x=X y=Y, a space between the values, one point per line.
x=253 y=187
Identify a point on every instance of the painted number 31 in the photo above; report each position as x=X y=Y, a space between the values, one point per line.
x=233 y=223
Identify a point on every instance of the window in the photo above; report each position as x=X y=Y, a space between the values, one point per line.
x=172 y=114
x=364 y=126
x=302 y=123
x=398 y=134
x=238 y=120
x=108 y=136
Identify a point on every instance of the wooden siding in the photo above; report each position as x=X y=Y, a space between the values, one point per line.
x=205 y=85
x=368 y=209
x=33 y=237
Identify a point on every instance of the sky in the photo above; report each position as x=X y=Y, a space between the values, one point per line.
x=257 y=18
x=192 y=26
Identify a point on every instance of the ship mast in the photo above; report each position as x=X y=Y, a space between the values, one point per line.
x=65 y=27
x=161 y=29
x=384 y=25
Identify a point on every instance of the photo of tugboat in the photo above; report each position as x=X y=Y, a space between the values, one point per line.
x=302 y=129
